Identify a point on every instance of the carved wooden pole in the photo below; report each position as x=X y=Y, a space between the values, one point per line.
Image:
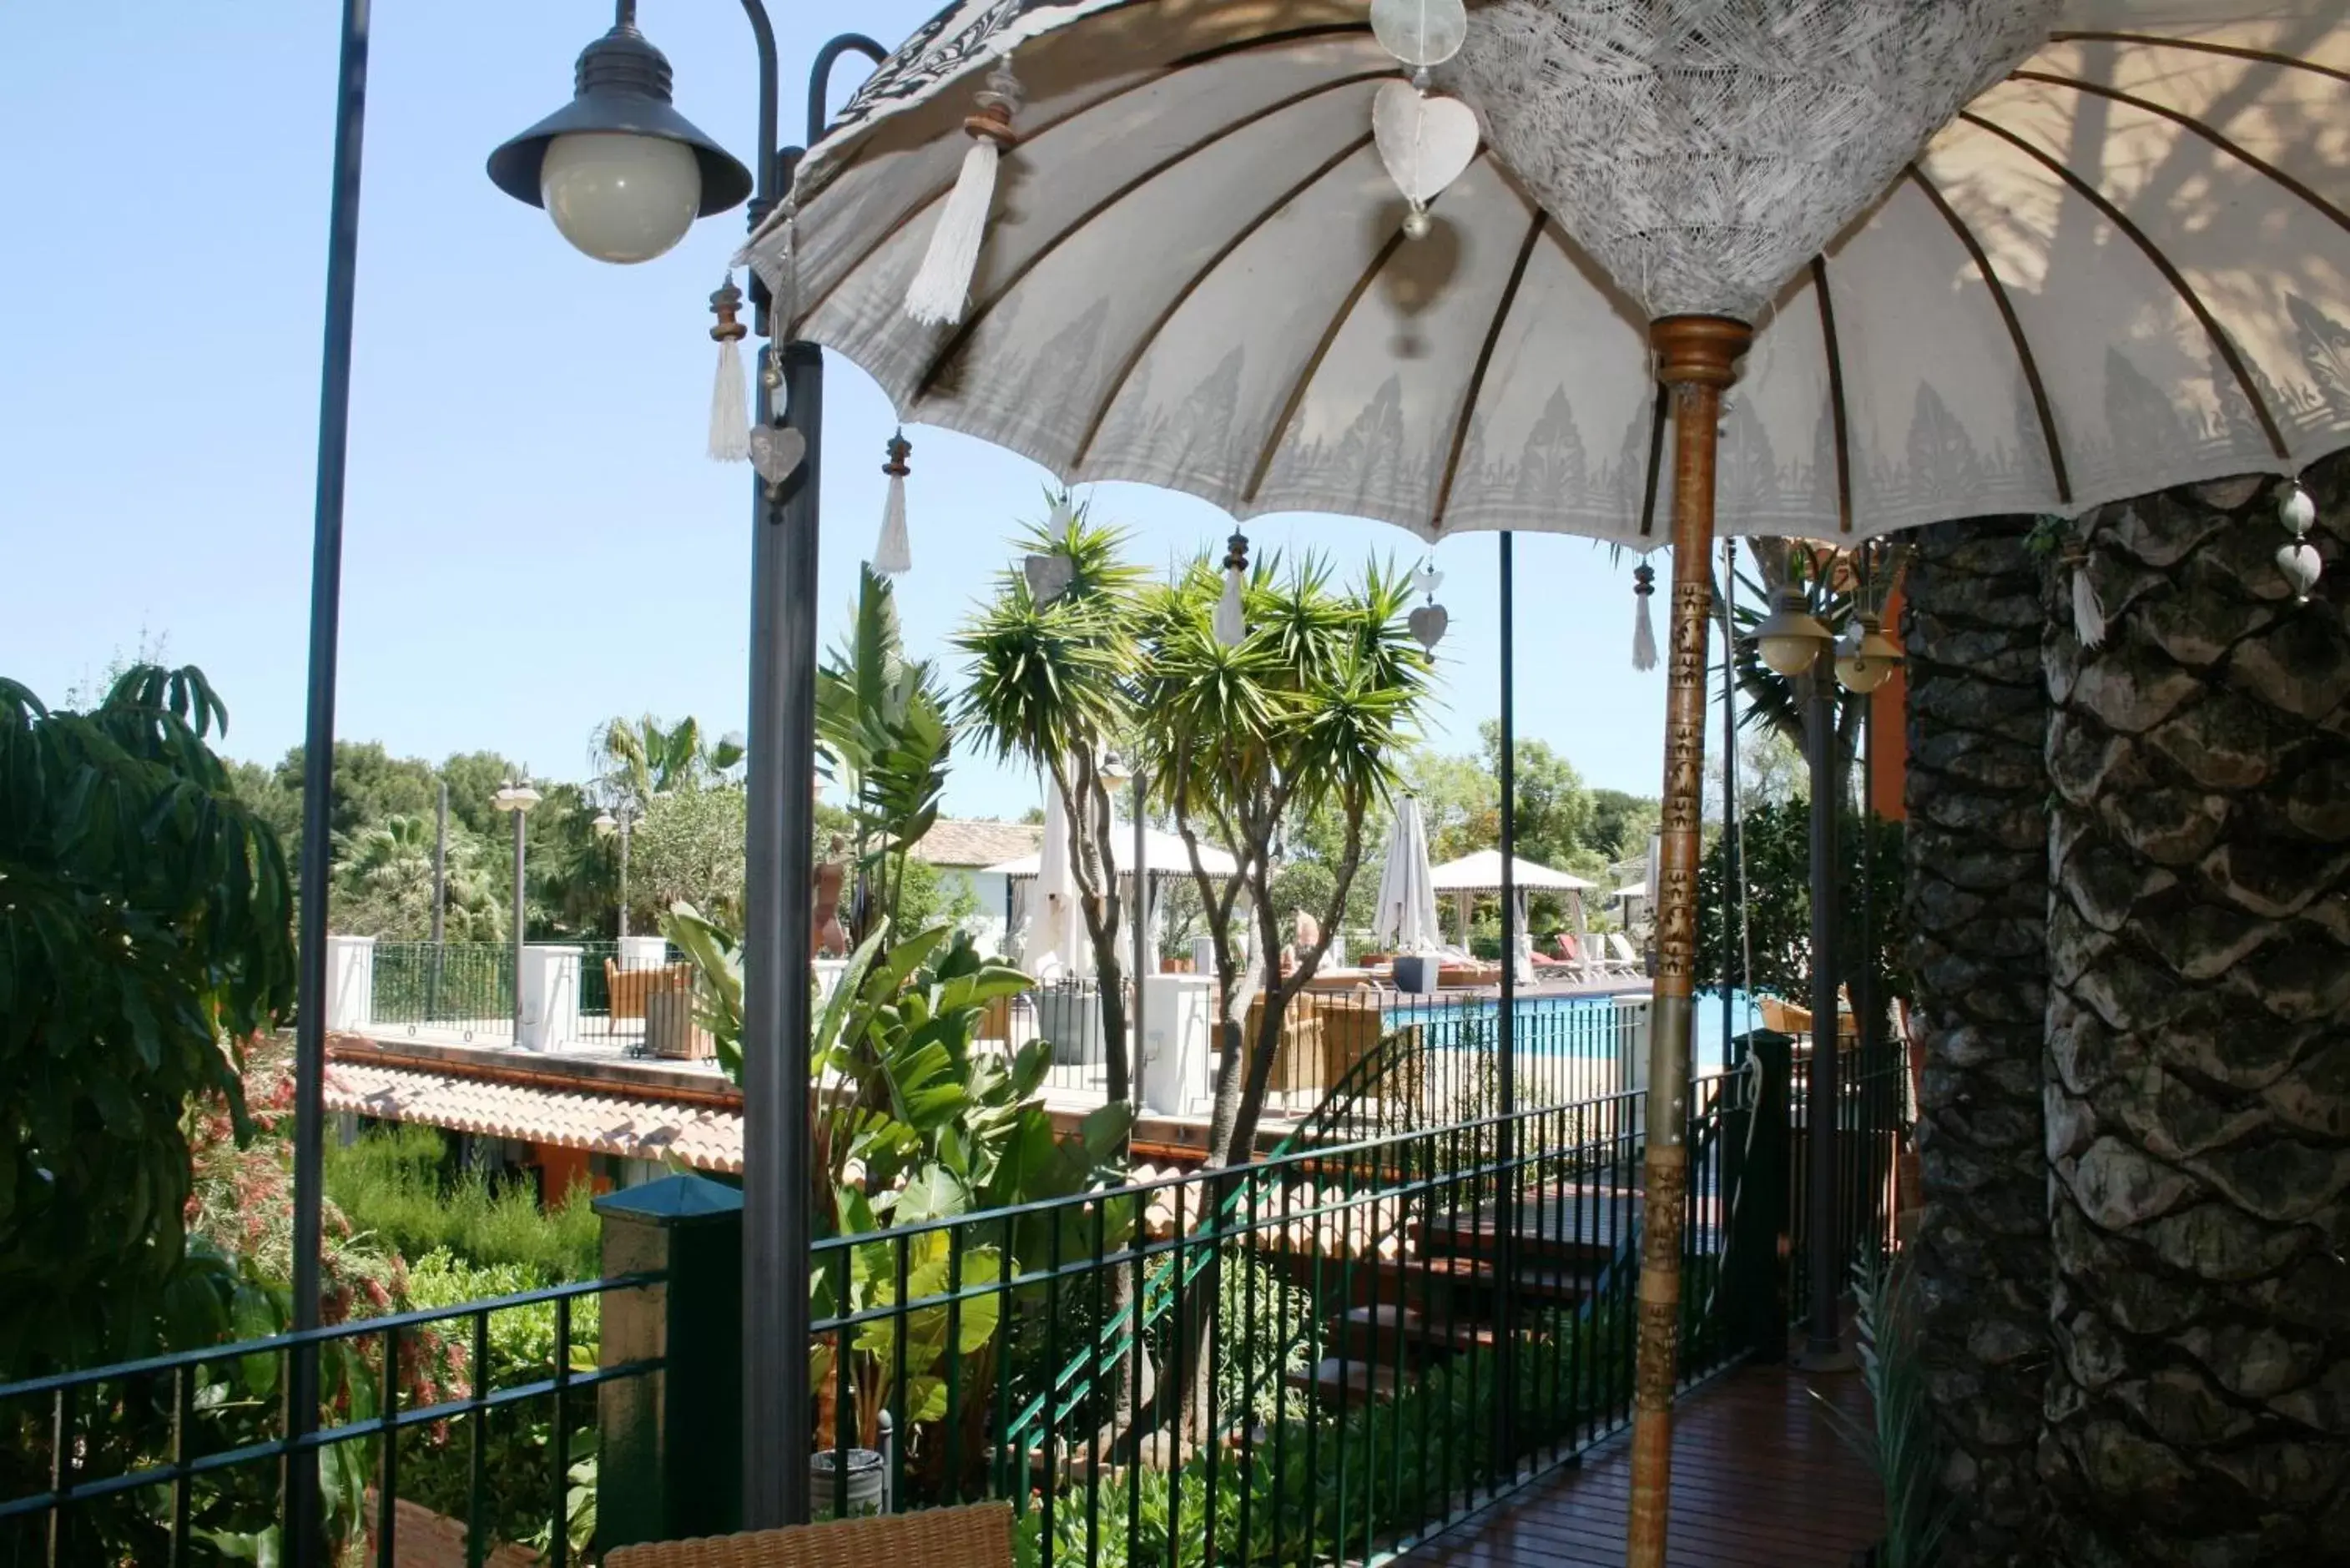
x=1697 y=360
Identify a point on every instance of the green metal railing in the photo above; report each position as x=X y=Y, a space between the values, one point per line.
x=179 y=1458
x=1339 y=1350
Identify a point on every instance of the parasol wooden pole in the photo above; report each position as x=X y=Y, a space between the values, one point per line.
x=1697 y=360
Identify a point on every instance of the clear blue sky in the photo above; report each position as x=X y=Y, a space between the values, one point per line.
x=535 y=541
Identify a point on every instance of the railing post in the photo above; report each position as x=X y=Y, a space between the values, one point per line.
x=668 y=1467
x=1751 y=1305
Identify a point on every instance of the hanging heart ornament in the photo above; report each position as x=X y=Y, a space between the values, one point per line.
x=1048 y=576
x=1429 y=623
x=1426 y=142
x=776 y=451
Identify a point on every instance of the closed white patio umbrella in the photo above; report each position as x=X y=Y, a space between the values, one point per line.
x=1405 y=921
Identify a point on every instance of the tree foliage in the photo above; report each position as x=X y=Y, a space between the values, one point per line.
x=1054 y=679
x=146 y=922
x=383 y=884
x=882 y=731
x=1306 y=712
x=1774 y=918
x=688 y=849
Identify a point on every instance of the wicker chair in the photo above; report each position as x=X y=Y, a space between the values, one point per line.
x=975 y=1537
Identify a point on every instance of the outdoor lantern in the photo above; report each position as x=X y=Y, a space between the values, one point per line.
x=1115 y=772
x=605 y=825
x=621 y=172
x=1790 y=636
x=515 y=797
x=1866 y=656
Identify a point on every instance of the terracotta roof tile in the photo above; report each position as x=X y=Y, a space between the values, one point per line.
x=973 y=844
x=699 y=1138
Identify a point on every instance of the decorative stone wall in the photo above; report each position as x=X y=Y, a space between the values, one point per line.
x=1976 y=908
x=2199 y=1043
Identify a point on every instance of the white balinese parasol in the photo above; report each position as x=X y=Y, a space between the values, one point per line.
x=1987 y=255
x=2125 y=265
x=1405 y=921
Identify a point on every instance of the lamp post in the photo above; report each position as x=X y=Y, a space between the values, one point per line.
x=518 y=798
x=1795 y=642
x=610 y=824
x=617 y=197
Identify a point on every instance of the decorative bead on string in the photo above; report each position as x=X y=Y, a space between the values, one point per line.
x=942 y=288
x=730 y=414
x=894 y=552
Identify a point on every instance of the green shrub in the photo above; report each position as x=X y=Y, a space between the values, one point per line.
x=436 y=1462
x=394 y=1183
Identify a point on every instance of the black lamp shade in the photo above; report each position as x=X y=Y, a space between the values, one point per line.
x=623 y=87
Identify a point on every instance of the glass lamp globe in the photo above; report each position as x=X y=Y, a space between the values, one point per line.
x=1791 y=636
x=1865 y=657
x=605 y=825
x=619 y=197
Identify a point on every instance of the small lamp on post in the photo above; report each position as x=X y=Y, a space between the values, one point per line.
x=620 y=171
x=612 y=823
x=518 y=798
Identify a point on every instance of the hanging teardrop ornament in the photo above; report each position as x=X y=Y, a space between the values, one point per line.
x=730 y=414
x=893 y=552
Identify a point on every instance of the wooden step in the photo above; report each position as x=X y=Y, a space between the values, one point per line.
x=1553 y=1283
x=1571 y=1224
x=1343 y=1381
x=1387 y=1334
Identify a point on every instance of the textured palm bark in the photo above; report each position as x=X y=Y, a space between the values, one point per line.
x=2198 y=1409
x=1977 y=898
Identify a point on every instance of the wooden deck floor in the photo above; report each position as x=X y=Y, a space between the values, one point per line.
x=1760 y=1481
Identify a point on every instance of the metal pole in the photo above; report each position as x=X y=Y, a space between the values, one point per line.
x=780 y=874
x=519 y=927
x=628 y=816
x=1729 y=792
x=1506 y=1405
x=1823 y=1348
x=303 y=1520
x=1141 y=877
x=440 y=899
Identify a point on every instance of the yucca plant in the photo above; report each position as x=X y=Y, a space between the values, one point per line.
x=1900 y=1443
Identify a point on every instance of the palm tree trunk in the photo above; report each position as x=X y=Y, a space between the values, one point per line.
x=1977 y=905
x=2198 y=1042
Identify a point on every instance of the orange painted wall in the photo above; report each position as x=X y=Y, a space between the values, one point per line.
x=1889 y=769
x=561 y=1170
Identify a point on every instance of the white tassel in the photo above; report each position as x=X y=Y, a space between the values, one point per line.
x=893 y=554
x=1231 y=624
x=1644 y=628
x=2088 y=612
x=942 y=287
x=730 y=414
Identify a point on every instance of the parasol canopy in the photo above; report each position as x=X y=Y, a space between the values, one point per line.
x=1163 y=854
x=1482 y=873
x=2125 y=264
x=1405 y=921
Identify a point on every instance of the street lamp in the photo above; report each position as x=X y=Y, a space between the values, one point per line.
x=609 y=825
x=517 y=797
x=617 y=202
x=1791 y=638
x=1865 y=657
x=621 y=172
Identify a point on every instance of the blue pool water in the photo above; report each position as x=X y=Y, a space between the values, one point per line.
x=1589 y=1025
